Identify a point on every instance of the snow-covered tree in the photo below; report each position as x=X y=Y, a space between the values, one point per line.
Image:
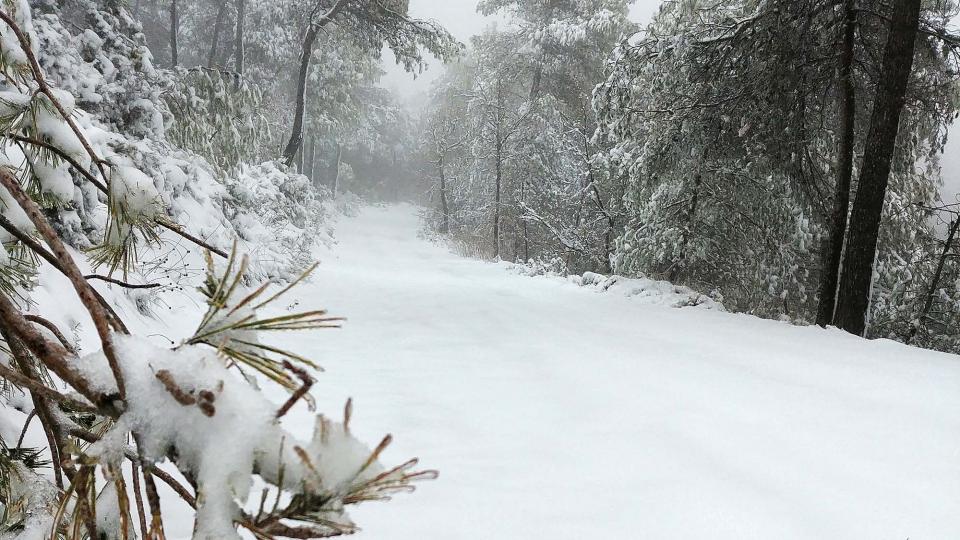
x=724 y=119
x=528 y=96
x=86 y=163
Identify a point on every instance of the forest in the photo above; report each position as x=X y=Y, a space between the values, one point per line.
x=701 y=241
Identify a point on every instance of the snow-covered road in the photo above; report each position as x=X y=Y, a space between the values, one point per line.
x=554 y=411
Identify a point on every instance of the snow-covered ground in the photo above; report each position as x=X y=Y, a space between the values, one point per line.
x=556 y=411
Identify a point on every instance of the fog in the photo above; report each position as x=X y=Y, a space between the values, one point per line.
x=460 y=17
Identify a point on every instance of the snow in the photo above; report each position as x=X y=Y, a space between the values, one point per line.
x=562 y=408
x=55 y=181
x=135 y=191
x=556 y=411
x=651 y=291
x=36 y=497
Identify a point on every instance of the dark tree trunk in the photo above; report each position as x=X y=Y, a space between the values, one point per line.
x=313 y=29
x=853 y=301
x=296 y=137
x=174 y=30
x=238 y=50
x=215 y=40
x=931 y=292
x=832 y=249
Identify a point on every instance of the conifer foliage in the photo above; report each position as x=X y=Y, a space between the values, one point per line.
x=112 y=172
x=722 y=147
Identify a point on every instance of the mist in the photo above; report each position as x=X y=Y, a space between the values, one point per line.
x=460 y=17
x=393 y=270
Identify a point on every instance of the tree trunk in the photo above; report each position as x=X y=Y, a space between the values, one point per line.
x=174 y=30
x=215 y=40
x=300 y=159
x=673 y=274
x=854 y=298
x=498 y=156
x=832 y=249
x=336 y=171
x=296 y=138
x=238 y=50
x=598 y=199
x=537 y=77
x=312 y=160
x=928 y=303
x=444 y=209
x=496 y=199
x=523 y=223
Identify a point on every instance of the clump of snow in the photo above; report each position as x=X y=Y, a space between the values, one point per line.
x=109 y=522
x=54 y=130
x=13 y=102
x=36 y=498
x=9 y=43
x=341 y=458
x=55 y=181
x=135 y=191
x=14 y=214
x=222 y=430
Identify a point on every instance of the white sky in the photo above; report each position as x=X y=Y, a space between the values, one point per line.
x=462 y=20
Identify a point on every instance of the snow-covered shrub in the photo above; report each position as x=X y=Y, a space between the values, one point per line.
x=191 y=415
x=181 y=129
x=217 y=115
x=281 y=215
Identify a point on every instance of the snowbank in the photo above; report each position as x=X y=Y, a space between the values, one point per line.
x=643 y=289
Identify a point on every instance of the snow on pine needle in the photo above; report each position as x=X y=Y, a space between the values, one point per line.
x=231 y=323
x=135 y=208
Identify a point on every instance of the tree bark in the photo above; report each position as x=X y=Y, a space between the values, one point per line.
x=215 y=40
x=832 y=249
x=854 y=298
x=238 y=49
x=174 y=31
x=296 y=138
